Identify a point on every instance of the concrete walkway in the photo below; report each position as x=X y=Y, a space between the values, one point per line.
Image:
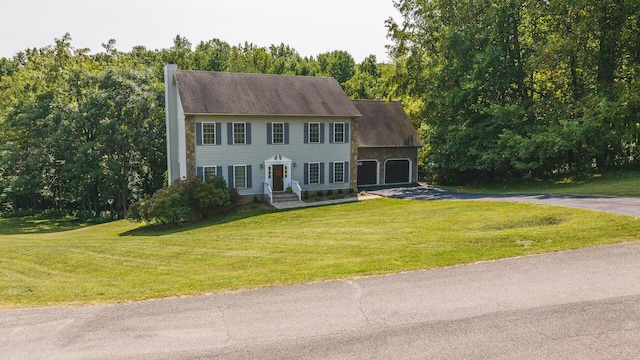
x=301 y=204
x=618 y=205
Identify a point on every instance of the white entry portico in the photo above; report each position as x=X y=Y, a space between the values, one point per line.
x=277 y=176
x=277 y=172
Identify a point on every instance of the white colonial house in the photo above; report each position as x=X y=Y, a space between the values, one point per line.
x=261 y=133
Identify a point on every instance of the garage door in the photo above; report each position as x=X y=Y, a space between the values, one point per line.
x=367 y=172
x=397 y=171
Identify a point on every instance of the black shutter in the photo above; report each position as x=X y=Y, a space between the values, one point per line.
x=198 y=133
x=347 y=174
x=321 y=173
x=219 y=171
x=200 y=171
x=346 y=132
x=231 y=184
x=331 y=172
x=269 y=134
x=331 y=133
x=248 y=172
x=286 y=133
x=306 y=133
x=321 y=133
x=230 y=133
x=306 y=173
x=218 y=133
x=247 y=133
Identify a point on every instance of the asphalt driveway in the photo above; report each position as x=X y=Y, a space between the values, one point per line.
x=618 y=205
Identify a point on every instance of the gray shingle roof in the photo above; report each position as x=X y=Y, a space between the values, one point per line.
x=203 y=92
x=385 y=124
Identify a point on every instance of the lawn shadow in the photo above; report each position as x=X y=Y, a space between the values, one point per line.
x=41 y=225
x=224 y=218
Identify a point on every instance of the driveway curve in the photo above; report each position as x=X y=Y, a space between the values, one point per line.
x=618 y=205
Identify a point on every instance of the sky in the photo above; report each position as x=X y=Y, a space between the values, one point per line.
x=310 y=27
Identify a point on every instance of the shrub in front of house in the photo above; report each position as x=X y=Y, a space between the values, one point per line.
x=184 y=200
x=168 y=206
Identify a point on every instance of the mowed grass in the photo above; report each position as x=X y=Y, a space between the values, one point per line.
x=121 y=261
x=618 y=183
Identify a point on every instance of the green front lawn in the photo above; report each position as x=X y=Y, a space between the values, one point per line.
x=121 y=261
x=618 y=183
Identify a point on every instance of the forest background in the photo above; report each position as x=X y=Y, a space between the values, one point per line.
x=499 y=90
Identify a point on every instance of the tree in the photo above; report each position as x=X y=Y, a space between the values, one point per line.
x=85 y=138
x=337 y=64
x=365 y=83
x=512 y=89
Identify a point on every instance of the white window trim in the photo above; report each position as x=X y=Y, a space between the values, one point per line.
x=310 y=182
x=244 y=139
x=335 y=179
x=214 y=133
x=235 y=182
x=309 y=134
x=204 y=171
x=273 y=133
x=335 y=133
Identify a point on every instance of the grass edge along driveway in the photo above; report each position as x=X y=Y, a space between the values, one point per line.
x=120 y=261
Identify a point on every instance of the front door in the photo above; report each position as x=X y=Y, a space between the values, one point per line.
x=278 y=177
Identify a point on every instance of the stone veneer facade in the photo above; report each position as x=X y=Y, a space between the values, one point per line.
x=190 y=125
x=353 y=169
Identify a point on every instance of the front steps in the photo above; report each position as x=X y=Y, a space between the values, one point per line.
x=284 y=197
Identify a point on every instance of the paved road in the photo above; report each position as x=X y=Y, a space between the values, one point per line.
x=619 y=205
x=582 y=304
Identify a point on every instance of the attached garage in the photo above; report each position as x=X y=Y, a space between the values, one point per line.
x=367 y=172
x=388 y=144
x=397 y=171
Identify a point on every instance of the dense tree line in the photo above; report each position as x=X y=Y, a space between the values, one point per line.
x=84 y=133
x=521 y=88
x=498 y=89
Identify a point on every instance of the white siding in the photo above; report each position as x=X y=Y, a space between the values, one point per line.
x=258 y=151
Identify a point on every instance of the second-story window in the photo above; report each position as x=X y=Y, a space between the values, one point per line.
x=208 y=133
x=338 y=132
x=239 y=133
x=278 y=133
x=314 y=133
